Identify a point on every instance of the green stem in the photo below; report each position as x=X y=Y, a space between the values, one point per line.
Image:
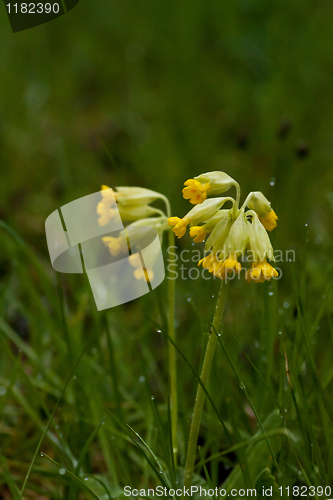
x=172 y=350
x=200 y=397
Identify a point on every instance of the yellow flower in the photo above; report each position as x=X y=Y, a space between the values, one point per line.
x=198 y=233
x=229 y=265
x=269 y=221
x=105 y=212
x=106 y=208
x=195 y=191
x=179 y=225
x=115 y=245
x=143 y=273
x=261 y=271
x=208 y=262
x=221 y=268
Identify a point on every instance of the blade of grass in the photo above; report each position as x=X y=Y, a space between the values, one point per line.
x=147 y=448
x=242 y=386
x=72 y=476
x=207 y=476
x=52 y=415
x=164 y=444
x=85 y=449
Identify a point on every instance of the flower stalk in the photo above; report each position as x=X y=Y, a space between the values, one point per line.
x=204 y=377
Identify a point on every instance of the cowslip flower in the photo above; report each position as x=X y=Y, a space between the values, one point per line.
x=133 y=204
x=196 y=189
x=228 y=233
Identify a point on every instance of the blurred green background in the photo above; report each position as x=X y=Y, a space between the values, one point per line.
x=171 y=90
x=152 y=93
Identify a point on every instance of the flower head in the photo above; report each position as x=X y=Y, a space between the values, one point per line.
x=261 y=271
x=194 y=191
x=210 y=183
x=132 y=204
x=228 y=233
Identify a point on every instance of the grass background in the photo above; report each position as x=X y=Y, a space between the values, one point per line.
x=150 y=94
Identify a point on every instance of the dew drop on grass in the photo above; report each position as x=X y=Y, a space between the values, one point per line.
x=152 y=398
x=188 y=299
x=280 y=333
x=270 y=293
x=213 y=296
x=242 y=386
x=286 y=305
x=86 y=478
x=41 y=454
x=158 y=331
x=142 y=378
x=272 y=181
x=62 y=471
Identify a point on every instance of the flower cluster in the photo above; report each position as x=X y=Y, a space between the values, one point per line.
x=132 y=204
x=228 y=233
